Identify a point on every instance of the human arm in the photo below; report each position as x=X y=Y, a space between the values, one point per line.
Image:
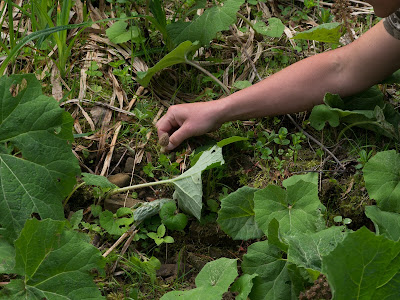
x=344 y=71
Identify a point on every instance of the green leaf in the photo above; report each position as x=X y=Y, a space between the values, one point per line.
x=161 y=230
x=171 y=220
x=124 y=211
x=243 y=286
x=218 y=274
x=236 y=216
x=96 y=210
x=382 y=178
x=176 y=56
x=149 y=209
x=274 y=29
x=55 y=263
x=230 y=140
x=274 y=238
x=363 y=266
x=188 y=186
x=276 y=278
x=169 y=239
x=242 y=84
x=311 y=177
x=338 y=219
x=118 y=32
x=327 y=33
x=37 y=180
x=114 y=225
x=76 y=219
x=7 y=257
x=366 y=109
x=212 y=281
x=386 y=223
x=97 y=180
x=296 y=209
x=321 y=114
x=306 y=249
x=205 y=27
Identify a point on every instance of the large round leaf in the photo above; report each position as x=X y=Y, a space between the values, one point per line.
x=55 y=263
x=296 y=209
x=236 y=216
x=382 y=180
x=37 y=167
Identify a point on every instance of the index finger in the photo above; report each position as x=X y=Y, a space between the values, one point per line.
x=166 y=125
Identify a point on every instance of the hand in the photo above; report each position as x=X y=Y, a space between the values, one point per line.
x=186 y=120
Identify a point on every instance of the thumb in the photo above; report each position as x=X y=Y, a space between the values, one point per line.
x=178 y=137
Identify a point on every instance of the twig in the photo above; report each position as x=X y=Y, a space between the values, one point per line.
x=131 y=232
x=316 y=141
x=124 y=248
x=288 y=115
x=107 y=161
x=192 y=63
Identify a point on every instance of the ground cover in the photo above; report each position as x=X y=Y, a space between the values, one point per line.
x=265 y=209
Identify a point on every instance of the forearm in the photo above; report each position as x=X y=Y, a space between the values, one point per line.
x=295 y=88
x=344 y=71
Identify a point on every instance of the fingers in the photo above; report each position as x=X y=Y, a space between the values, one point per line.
x=178 y=137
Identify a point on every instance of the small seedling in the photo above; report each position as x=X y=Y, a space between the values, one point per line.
x=159 y=236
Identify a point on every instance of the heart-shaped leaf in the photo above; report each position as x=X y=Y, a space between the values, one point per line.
x=39 y=169
x=55 y=263
x=296 y=209
x=236 y=216
x=382 y=178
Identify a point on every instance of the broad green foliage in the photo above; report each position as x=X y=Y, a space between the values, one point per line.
x=176 y=56
x=296 y=209
x=382 y=177
x=327 y=33
x=188 y=186
x=40 y=170
x=118 y=32
x=236 y=216
x=205 y=27
x=171 y=219
x=311 y=177
x=364 y=266
x=7 y=256
x=277 y=278
x=366 y=110
x=211 y=283
x=306 y=249
x=243 y=286
x=97 y=180
x=274 y=29
x=386 y=223
x=54 y=263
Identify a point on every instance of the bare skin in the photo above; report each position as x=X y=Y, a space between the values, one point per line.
x=344 y=71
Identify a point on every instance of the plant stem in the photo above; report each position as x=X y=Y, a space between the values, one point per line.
x=73 y=191
x=138 y=186
x=194 y=64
